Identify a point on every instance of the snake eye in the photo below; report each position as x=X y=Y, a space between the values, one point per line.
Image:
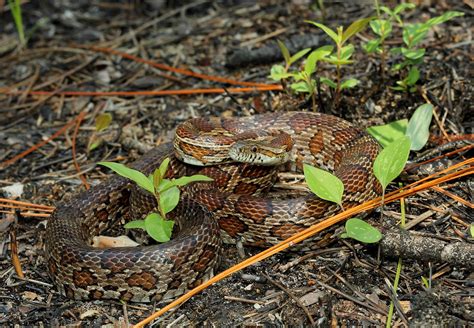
x=253 y=149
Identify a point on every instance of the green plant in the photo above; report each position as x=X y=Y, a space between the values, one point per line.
x=165 y=191
x=329 y=187
x=15 y=8
x=102 y=122
x=417 y=128
x=343 y=53
x=303 y=81
x=411 y=53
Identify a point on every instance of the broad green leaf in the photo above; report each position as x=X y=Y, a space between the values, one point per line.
x=391 y=161
x=350 y=83
x=381 y=27
x=284 y=52
x=386 y=134
x=355 y=28
x=401 y=7
x=323 y=184
x=169 y=199
x=137 y=224
x=413 y=53
x=278 y=72
x=333 y=35
x=301 y=86
x=362 y=231
x=102 y=121
x=414 y=34
x=444 y=17
x=347 y=51
x=328 y=82
x=418 y=129
x=298 y=55
x=413 y=76
x=159 y=229
x=314 y=57
x=138 y=177
x=372 y=46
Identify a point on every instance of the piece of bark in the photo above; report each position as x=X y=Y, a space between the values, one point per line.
x=409 y=245
x=270 y=52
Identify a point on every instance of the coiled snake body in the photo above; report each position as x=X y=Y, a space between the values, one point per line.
x=147 y=273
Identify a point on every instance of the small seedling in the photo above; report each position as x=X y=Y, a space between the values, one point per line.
x=343 y=53
x=329 y=187
x=390 y=162
x=166 y=193
x=15 y=8
x=413 y=34
x=102 y=122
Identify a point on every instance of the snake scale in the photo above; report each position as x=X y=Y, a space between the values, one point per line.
x=230 y=209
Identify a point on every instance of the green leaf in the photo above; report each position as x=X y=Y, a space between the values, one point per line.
x=387 y=10
x=362 y=231
x=323 y=184
x=301 y=86
x=355 y=28
x=386 y=134
x=425 y=282
x=159 y=229
x=169 y=199
x=381 y=27
x=401 y=7
x=102 y=121
x=298 y=55
x=284 y=52
x=314 y=57
x=414 y=34
x=164 y=167
x=347 y=51
x=413 y=76
x=372 y=46
x=444 y=17
x=349 y=83
x=471 y=230
x=193 y=178
x=328 y=82
x=333 y=35
x=136 y=224
x=95 y=144
x=278 y=72
x=413 y=53
x=391 y=161
x=138 y=177
x=418 y=129
x=333 y=60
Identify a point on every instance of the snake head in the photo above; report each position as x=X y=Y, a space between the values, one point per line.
x=266 y=148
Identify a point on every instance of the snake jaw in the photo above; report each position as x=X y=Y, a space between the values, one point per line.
x=258 y=153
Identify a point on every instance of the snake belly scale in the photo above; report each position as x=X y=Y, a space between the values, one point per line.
x=227 y=209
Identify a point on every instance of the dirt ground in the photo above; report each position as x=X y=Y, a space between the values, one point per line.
x=343 y=284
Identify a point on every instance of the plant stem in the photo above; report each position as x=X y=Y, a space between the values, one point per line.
x=338 y=77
